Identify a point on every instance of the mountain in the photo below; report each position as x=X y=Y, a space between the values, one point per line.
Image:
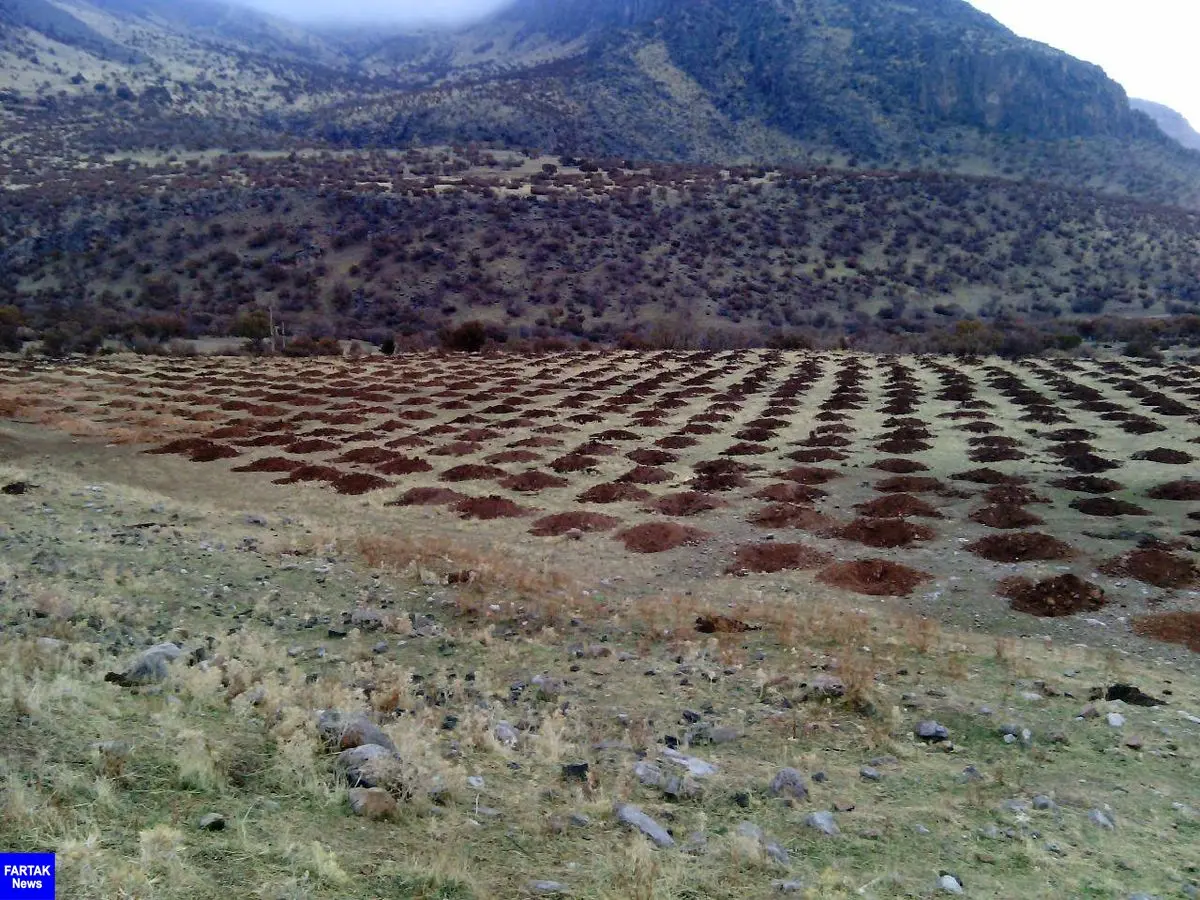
x=1173 y=124
x=880 y=84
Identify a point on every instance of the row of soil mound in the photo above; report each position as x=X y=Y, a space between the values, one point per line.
x=1063 y=595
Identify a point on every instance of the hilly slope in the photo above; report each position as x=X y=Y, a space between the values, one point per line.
x=1172 y=123
x=872 y=83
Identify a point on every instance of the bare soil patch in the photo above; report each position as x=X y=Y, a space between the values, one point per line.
x=1021 y=547
x=611 y=492
x=1005 y=516
x=1063 y=595
x=568 y=522
x=270 y=464
x=472 y=472
x=490 y=507
x=774 y=557
x=988 y=476
x=819 y=454
x=1013 y=495
x=909 y=484
x=883 y=533
x=895 y=506
x=685 y=503
x=789 y=515
x=1088 y=484
x=356 y=483
x=646 y=475
x=427 y=496
x=1107 y=507
x=899 y=466
x=1172 y=628
x=658 y=537
x=788 y=492
x=1166 y=456
x=874 y=577
x=1183 y=489
x=403 y=465
x=809 y=475
x=1155 y=566
x=533 y=481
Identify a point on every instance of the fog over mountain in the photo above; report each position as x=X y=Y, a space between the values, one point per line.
x=390 y=11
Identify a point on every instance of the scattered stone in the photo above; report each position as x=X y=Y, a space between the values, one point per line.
x=823 y=822
x=547 y=887
x=789 y=783
x=150 y=666
x=1043 y=802
x=648 y=773
x=789 y=886
x=1134 y=743
x=696 y=767
x=921 y=829
x=970 y=775
x=580 y=820
x=931 y=732
x=870 y=773
x=1115 y=720
x=368 y=765
x=1101 y=819
x=475 y=781
x=505 y=735
x=950 y=884
x=825 y=687
x=212 y=821
x=633 y=817
x=347 y=730
x=372 y=803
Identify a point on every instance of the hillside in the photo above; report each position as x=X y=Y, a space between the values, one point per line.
x=1170 y=122
x=875 y=84
x=371 y=246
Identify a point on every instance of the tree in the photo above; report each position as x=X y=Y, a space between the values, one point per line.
x=254 y=326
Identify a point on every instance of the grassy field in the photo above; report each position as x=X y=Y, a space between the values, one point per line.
x=545 y=656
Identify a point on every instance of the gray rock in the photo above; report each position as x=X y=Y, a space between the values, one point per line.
x=475 y=781
x=970 y=775
x=788 y=886
x=870 y=773
x=365 y=619
x=505 y=735
x=822 y=822
x=675 y=787
x=648 y=773
x=950 y=884
x=212 y=821
x=345 y=730
x=696 y=767
x=825 y=687
x=579 y=820
x=1115 y=720
x=789 y=783
x=547 y=887
x=769 y=846
x=1101 y=819
x=149 y=667
x=633 y=817
x=931 y=732
x=696 y=844
x=1043 y=802
x=368 y=765
x=1015 y=806
x=921 y=829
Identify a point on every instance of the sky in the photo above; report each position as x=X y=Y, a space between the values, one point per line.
x=1152 y=47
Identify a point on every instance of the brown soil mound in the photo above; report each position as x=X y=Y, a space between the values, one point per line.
x=1158 y=455
x=900 y=466
x=1088 y=484
x=746 y=449
x=565 y=523
x=1088 y=463
x=271 y=464
x=676 y=442
x=789 y=515
x=537 y=442
x=988 y=476
x=1013 y=495
x=648 y=457
x=1183 y=489
x=787 y=492
x=896 y=506
x=312 y=473
x=995 y=454
x=199 y=449
x=1005 y=516
x=267 y=440
x=574 y=462
x=821 y=454
x=472 y=472
x=594 y=448
x=317 y=445
x=370 y=455
x=875 y=577
x=1063 y=595
x=426 y=496
x=492 y=507
x=885 y=532
x=512 y=456
x=685 y=503
x=719 y=475
x=360 y=483
x=809 y=475
x=1154 y=566
x=772 y=557
x=456 y=448
x=616 y=434
x=1173 y=628
x=613 y=493
x=657 y=537
x=646 y=475
x=902 y=446
x=755 y=435
x=213 y=451
x=532 y=481
x=909 y=484
x=1020 y=547
x=1107 y=506
x=404 y=465
x=409 y=440
x=231 y=431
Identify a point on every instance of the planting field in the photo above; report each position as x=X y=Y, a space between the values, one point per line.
x=1051 y=488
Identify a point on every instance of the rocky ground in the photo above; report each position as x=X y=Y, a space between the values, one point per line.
x=206 y=693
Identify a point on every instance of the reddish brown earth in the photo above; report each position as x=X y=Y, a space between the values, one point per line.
x=312 y=473
x=404 y=465
x=1107 y=506
x=1063 y=595
x=773 y=557
x=1088 y=484
x=574 y=462
x=565 y=523
x=897 y=506
x=532 y=481
x=657 y=537
x=1183 y=489
x=1013 y=495
x=789 y=515
x=270 y=464
x=646 y=475
x=900 y=466
x=1159 y=455
x=472 y=472
x=490 y=507
x=909 y=484
x=1173 y=628
x=883 y=533
x=1155 y=566
x=988 y=476
x=685 y=503
x=613 y=493
x=1005 y=516
x=1021 y=547
x=788 y=492
x=360 y=483
x=427 y=496
x=875 y=577
x=809 y=475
